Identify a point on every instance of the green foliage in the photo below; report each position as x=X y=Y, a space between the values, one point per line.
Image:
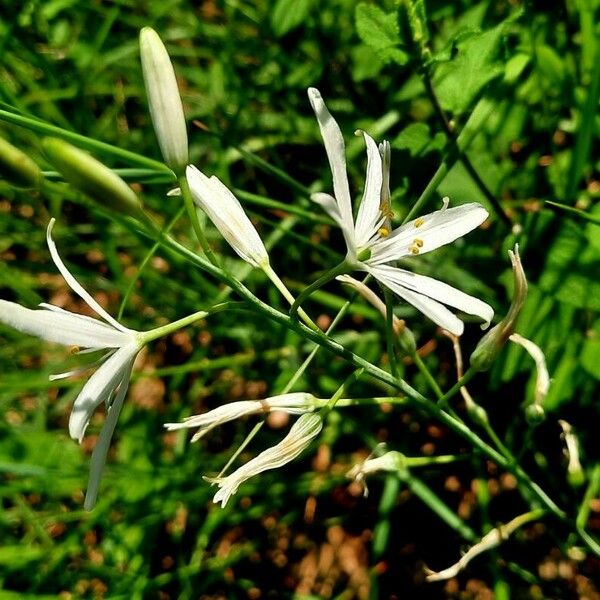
x=517 y=103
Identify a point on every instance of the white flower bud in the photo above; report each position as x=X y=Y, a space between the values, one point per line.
x=164 y=101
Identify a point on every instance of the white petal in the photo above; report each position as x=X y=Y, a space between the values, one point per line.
x=304 y=430
x=99 y=388
x=336 y=153
x=62 y=327
x=74 y=284
x=438 y=290
x=329 y=205
x=437 y=312
x=369 y=217
x=428 y=232
x=103 y=443
x=226 y=212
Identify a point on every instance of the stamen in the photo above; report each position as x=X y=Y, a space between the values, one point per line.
x=418 y=242
x=383 y=231
x=419 y=222
x=414 y=249
x=74 y=350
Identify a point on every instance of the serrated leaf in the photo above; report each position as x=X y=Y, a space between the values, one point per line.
x=287 y=15
x=380 y=31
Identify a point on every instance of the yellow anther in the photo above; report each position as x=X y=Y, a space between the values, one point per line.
x=386 y=210
x=74 y=349
x=420 y=221
x=417 y=242
x=414 y=249
x=383 y=231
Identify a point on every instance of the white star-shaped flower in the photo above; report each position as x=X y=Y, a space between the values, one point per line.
x=372 y=247
x=109 y=382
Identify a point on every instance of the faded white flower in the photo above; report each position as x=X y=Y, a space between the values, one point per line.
x=372 y=247
x=295 y=403
x=302 y=433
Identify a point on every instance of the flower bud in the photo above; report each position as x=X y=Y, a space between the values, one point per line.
x=92 y=177
x=17 y=168
x=493 y=341
x=164 y=101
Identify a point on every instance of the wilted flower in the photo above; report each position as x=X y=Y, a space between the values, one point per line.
x=372 y=247
x=542 y=381
x=110 y=381
x=304 y=430
x=164 y=101
x=493 y=341
x=294 y=404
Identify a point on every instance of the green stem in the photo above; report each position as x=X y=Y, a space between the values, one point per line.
x=341 y=269
x=83 y=142
x=337 y=349
x=190 y=207
x=433 y=384
x=272 y=275
x=472 y=128
x=340 y=391
x=443 y=401
x=153 y=334
x=145 y=262
x=390 y=334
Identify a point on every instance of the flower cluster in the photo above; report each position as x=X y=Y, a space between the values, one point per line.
x=373 y=246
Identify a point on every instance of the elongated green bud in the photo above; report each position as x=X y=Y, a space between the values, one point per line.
x=17 y=168
x=164 y=101
x=92 y=177
x=493 y=341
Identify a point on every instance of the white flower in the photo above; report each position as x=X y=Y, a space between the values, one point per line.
x=226 y=212
x=294 y=403
x=372 y=247
x=304 y=430
x=110 y=381
x=164 y=100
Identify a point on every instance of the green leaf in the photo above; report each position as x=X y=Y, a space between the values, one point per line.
x=287 y=15
x=380 y=31
x=459 y=81
x=417 y=139
x=590 y=355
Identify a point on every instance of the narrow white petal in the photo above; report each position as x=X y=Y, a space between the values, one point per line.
x=428 y=232
x=103 y=443
x=74 y=284
x=336 y=153
x=437 y=312
x=369 y=216
x=304 y=430
x=329 y=205
x=62 y=327
x=438 y=290
x=99 y=388
x=228 y=216
x=83 y=369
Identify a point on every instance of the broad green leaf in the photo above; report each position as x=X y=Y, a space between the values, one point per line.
x=287 y=15
x=459 y=81
x=418 y=139
x=380 y=31
x=590 y=355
